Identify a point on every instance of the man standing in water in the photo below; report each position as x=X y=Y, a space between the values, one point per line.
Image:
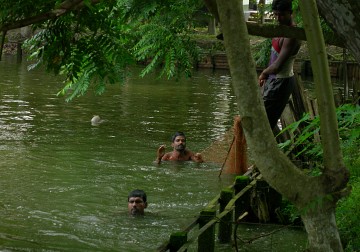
x=279 y=77
x=179 y=153
x=137 y=202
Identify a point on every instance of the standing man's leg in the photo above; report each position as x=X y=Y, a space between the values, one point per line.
x=276 y=96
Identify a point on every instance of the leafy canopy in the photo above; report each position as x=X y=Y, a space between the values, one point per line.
x=93 y=42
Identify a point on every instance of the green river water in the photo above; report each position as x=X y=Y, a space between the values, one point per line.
x=64 y=182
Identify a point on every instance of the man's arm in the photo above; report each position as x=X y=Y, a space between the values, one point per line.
x=197 y=157
x=160 y=154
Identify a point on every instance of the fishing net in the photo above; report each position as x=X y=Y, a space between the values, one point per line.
x=230 y=151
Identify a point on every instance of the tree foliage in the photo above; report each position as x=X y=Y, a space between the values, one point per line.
x=92 y=43
x=307 y=146
x=163 y=36
x=328 y=33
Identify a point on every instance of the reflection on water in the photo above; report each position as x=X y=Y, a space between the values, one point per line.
x=64 y=182
x=268 y=237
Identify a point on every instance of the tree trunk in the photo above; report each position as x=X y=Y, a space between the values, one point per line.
x=333 y=160
x=212 y=26
x=343 y=16
x=322 y=230
x=322 y=216
x=276 y=168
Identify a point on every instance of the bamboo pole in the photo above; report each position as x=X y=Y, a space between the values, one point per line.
x=177 y=239
x=230 y=206
x=241 y=204
x=206 y=241
x=225 y=225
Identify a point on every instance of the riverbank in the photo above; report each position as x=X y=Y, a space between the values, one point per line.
x=213 y=56
x=342 y=66
x=10 y=48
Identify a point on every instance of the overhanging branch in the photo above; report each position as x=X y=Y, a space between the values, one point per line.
x=270 y=31
x=62 y=9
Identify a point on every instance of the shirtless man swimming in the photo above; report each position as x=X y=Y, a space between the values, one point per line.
x=179 y=153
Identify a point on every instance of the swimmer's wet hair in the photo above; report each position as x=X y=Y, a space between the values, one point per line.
x=138 y=193
x=178 y=133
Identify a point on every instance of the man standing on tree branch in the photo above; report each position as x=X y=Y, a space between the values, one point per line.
x=278 y=78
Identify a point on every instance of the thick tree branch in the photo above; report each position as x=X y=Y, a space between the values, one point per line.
x=270 y=31
x=344 y=18
x=62 y=9
x=276 y=168
x=339 y=14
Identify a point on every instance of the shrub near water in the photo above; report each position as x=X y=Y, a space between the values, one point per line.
x=348 y=218
x=305 y=147
x=348 y=211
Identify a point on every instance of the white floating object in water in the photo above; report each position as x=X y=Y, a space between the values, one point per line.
x=96 y=120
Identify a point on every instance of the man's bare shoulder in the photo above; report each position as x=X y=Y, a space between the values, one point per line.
x=167 y=156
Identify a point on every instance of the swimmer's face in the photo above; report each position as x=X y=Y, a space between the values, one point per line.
x=136 y=206
x=179 y=143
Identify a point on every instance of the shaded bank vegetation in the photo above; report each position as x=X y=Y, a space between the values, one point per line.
x=305 y=147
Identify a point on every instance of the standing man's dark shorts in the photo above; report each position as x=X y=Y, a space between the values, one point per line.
x=276 y=95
